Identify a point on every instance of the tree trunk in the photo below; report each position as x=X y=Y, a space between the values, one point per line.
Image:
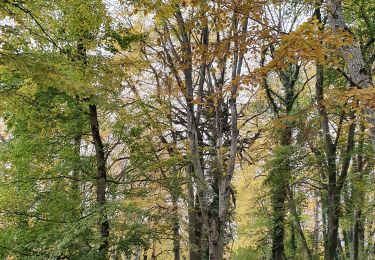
x=176 y=230
x=101 y=181
x=278 y=208
x=279 y=180
x=153 y=254
x=351 y=53
x=145 y=255
x=359 y=227
x=333 y=221
x=195 y=227
x=325 y=225
x=316 y=228
x=281 y=186
x=358 y=239
x=332 y=197
x=216 y=239
x=298 y=225
x=370 y=237
x=347 y=243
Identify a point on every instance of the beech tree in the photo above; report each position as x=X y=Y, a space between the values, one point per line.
x=187 y=129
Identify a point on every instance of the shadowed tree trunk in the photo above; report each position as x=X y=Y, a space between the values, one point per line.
x=335 y=182
x=359 y=228
x=298 y=225
x=316 y=229
x=279 y=180
x=101 y=184
x=195 y=222
x=176 y=229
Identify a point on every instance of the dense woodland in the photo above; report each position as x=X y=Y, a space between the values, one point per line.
x=187 y=129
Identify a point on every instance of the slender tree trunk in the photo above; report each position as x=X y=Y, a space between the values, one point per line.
x=280 y=180
x=281 y=185
x=279 y=197
x=349 y=210
x=101 y=180
x=370 y=237
x=359 y=227
x=153 y=254
x=176 y=230
x=224 y=174
x=298 y=225
x=192 y=123
x=324 y=215
x=278 y=208
x=332 y=198
x=200 y=232
x=145 y=254
x=316 y=228
x=325 y=226
x=333 y=221
x=137 y=255
x=195 y=250
x=347 y=243
x=358 y=240
x=76 y=191
x=334 y=190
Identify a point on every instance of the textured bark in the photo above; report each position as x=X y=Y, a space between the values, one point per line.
x=280 y=182
x=198 y=218
x=333 y=195
x=298 y=225
x=176 y=231
x=195 y=250
x=333 y=222
x=278 y=233
x=279 y=197
x=325 y=226
x=347 y=243
x=216 y=239
x=215 y=220
x=101 y=184
x=335 y=182
x=333 y=198
x=359 y=233
x=316 y=228
x=359 y=226
x=153 y=254
x=359 y=73
x=370 y=237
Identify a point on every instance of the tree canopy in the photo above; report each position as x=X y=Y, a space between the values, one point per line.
x=187 y=129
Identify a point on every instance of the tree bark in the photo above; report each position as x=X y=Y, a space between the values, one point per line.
x=316 y=228
x=351 y=53
x=298 y=225
x=176 y=230
x=332 y=197
x=335 y=183
x=325 y=225
x=195 y=249
x=101 y=184
x=280 y=182
x=359 y=228
x=278 y=208
x=333 y=221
